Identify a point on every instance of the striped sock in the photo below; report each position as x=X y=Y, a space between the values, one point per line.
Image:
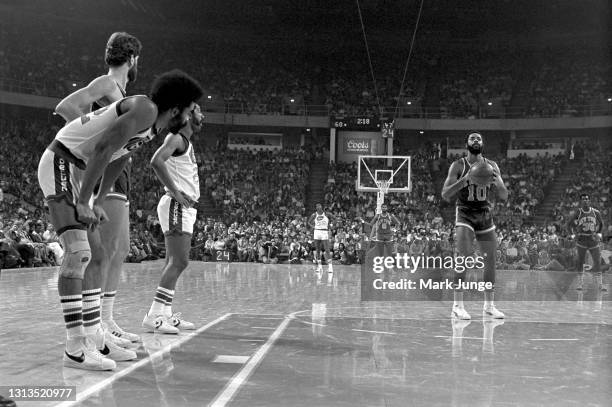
x=163 y=297
x=108 y=301
x=72 y=308
x=91 y=311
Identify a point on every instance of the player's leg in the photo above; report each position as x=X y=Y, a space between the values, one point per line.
x=115 y=236
x=487 y=240
x=582 y=251
x=178 y=246
x=318 y=252
x=109 y=345
x=464 y=236
x=596 y=255
x=59 y=181
x=177 y=225
x=328 y=257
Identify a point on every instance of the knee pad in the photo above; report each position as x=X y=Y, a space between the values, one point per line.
x=77 y=253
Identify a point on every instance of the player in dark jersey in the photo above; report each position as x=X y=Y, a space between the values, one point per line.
x=474 y=219
x=382 y=226
x=121 y=57
x=587 y=224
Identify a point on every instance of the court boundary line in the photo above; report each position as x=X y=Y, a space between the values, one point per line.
x=82 y=396
x=233 y=386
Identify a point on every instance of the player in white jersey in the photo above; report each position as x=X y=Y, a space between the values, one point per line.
x=176 y=167
x=121 y=56
x=320 y=221
x=97 y=145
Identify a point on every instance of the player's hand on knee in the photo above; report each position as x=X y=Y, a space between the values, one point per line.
x=101 y=215
x=85 y=214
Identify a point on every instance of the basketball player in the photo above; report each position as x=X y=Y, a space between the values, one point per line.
x=587 y=224
x=320 y=221
x=176 y=167
x=474 y=219
x=98 y=145
x=121 y=56
x=382 y=234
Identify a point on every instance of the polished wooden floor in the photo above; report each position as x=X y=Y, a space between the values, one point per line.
x=279 y=336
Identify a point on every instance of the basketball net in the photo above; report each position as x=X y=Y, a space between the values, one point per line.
x=383 y=188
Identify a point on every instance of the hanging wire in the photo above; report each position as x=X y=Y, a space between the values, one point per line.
x=408 y=60
x=365 y=39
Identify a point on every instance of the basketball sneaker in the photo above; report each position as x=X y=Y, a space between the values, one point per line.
x=7 y=402
x=492 y=312
x=89 y=358
x=110 y=349
x=109 y=337
x=158 y=324
x=460 y=313
x=114 y=329
x=177 y=322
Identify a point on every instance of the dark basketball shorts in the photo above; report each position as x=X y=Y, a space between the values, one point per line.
x=587 y=241
x=477 y=220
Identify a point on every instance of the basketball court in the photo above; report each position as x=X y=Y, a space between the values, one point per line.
x=278 y=335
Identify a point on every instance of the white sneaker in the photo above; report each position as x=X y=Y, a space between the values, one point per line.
x=109 y=349
x=114 y=329
x=176 y=321
x=109 y=337
x=460 y=313
x=88 y=358
x=158 y=324
x=492 y=312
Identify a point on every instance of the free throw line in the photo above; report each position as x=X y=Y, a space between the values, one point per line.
x=234 y=385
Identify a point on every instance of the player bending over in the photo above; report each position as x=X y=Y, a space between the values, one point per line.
x=121 y=56
x=98 y=145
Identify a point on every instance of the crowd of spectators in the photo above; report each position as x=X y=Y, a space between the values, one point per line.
x=456 y=83
x=262 y=195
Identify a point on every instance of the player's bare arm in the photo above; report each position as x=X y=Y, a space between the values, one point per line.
x=311 y=221
x=569 y=226
x=138 y=113
x=453 y=183
x=172 y=144
x=112 y=172
x=77 y=103
x=502 y=191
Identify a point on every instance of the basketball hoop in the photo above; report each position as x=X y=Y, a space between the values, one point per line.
x=383 y=188
x=383 y=185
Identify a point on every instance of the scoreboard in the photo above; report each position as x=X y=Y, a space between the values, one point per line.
x=356 y=123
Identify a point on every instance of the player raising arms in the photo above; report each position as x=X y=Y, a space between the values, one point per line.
x=474 y=218
x=98 y=145
x=320 y=221
x=121 y=56
x=382 y=233
x=176 y=167
x=587 y=224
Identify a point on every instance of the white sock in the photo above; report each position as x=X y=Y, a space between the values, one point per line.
x=91 y=311
x=108 y=301
x=168 y=310
x=163 y=296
